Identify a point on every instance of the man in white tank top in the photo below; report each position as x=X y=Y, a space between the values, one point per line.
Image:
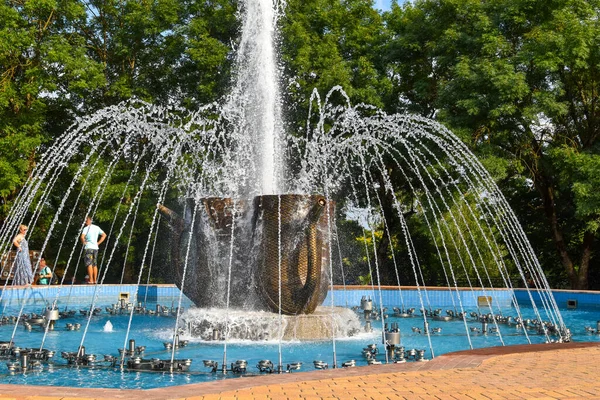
x=89 y=238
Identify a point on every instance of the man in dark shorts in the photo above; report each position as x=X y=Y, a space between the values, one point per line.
x=89 y=238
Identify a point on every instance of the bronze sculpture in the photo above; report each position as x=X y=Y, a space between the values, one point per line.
x=279 y=236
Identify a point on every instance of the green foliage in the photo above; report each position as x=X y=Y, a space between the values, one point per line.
x=205 y=66
x=518 y=81
x=580 y=171
x=62 y=59
x=365 y=280
x=162 y=50
x=44 y=66
x=327 y=43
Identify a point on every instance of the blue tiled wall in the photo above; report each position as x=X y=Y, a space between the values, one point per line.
x=445 y=298
x=412 y=297
x=166 y=294
x=83 y=294
x=583 y=298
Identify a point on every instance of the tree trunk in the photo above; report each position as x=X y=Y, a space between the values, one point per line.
x=582 y=276
x=578 y=277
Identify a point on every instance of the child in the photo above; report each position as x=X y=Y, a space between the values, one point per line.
x=44 y=275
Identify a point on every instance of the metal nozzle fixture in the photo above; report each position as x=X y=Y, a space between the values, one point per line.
x=295 y=366
x=239 y=367
x=214 y=365
x=420 y=356
x=399 y=355
x=177 y=343
x=265 y=366
x=392 y=335
x=366 y=304
x=155 y=364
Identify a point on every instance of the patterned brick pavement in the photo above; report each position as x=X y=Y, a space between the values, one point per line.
x=548 y=371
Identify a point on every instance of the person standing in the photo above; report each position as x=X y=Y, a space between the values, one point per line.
x=44 y=273
x=23 y=272
x=89 y=238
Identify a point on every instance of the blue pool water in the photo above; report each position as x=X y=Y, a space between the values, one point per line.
x=151 y=331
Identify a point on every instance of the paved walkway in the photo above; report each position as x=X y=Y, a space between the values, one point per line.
x=548 y=371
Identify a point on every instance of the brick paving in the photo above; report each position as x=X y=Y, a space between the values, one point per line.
x=547 y=371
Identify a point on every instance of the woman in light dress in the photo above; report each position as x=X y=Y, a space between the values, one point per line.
x=23 y=272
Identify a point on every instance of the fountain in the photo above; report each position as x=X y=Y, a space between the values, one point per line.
x=253 y=215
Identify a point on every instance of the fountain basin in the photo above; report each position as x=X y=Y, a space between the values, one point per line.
x=152 y=330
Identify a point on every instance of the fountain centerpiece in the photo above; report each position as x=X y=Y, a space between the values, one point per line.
x=281 y=251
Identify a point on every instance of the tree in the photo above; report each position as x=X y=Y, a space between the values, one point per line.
x=171 y=51
x=328 y=43
x=518 y=80
x=44 y=64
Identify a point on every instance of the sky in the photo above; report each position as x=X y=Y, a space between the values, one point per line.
x=383 y=4
x=386 y=4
